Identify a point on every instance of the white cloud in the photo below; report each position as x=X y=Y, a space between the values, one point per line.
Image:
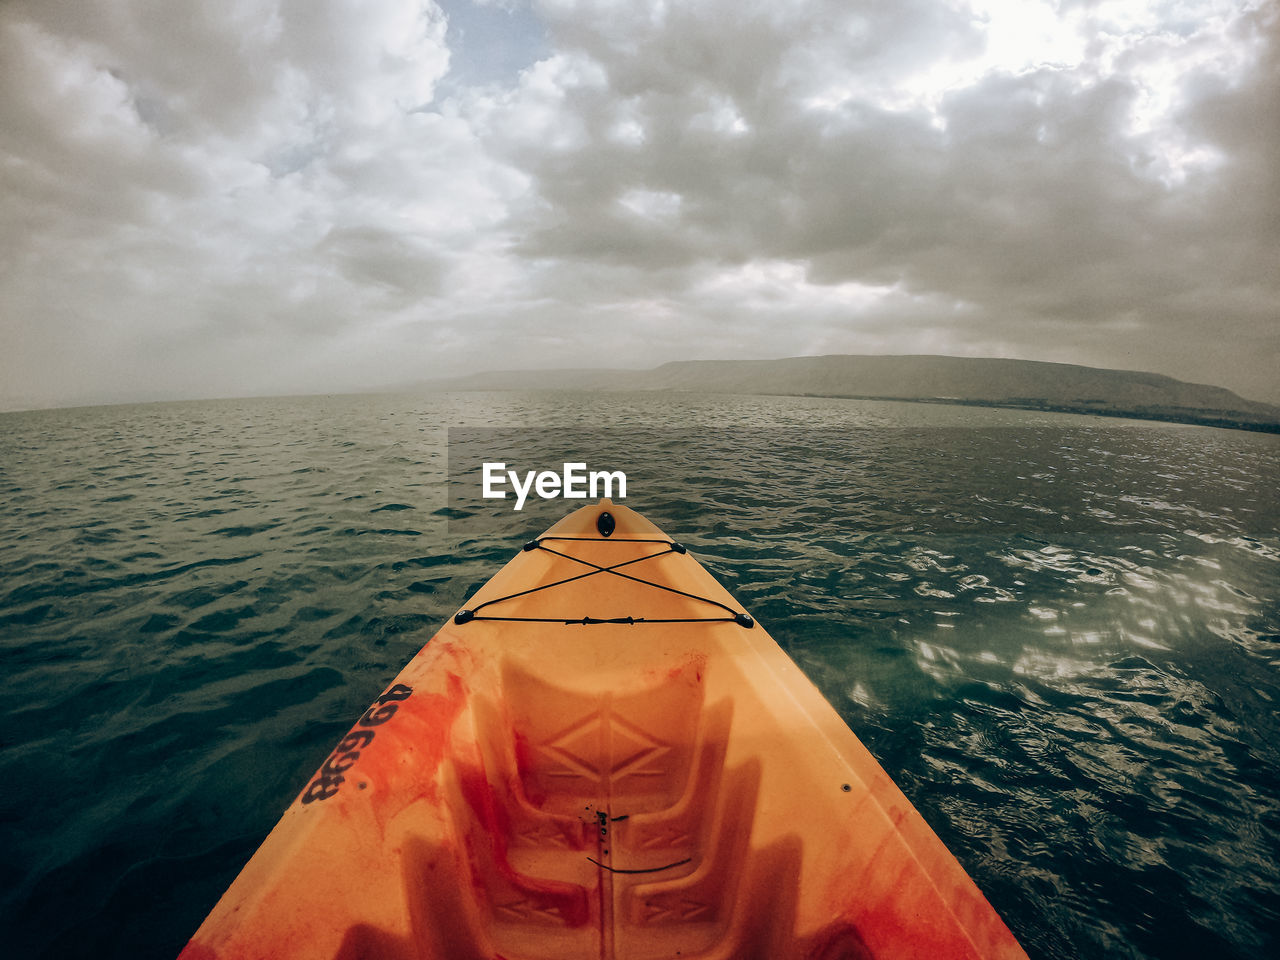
x=270 y=195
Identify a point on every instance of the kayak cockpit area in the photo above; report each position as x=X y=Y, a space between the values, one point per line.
x=606 y=825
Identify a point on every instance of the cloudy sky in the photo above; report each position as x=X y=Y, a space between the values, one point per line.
x=237 y=197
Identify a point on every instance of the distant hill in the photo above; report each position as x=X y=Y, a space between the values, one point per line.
x=1026 y=384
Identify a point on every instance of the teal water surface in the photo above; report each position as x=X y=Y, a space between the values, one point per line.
x=1059 y=635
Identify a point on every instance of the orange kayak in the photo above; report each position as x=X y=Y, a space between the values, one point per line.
x=601 y=756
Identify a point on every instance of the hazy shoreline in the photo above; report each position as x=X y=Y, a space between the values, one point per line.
x=1190 y=419
x=965 y=381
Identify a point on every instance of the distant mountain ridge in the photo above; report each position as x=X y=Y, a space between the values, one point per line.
x=983 y=381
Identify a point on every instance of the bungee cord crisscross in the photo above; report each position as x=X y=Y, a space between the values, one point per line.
x=466 y=615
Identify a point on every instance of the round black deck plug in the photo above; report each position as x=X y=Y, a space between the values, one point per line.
x=606 y=524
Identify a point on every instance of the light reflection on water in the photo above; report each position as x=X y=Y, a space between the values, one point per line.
x=1059 y=635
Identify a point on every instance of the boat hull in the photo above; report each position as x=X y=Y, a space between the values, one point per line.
x=602 y=757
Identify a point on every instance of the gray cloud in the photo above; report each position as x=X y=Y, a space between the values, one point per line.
x=1027 y=199
x=279 y=195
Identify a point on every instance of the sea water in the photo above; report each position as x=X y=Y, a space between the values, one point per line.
x=1060 y=635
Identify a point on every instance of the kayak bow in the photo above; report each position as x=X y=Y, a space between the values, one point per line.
x=601 y=756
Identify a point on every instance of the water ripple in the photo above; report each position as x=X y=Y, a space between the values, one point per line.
x=1060 y=635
